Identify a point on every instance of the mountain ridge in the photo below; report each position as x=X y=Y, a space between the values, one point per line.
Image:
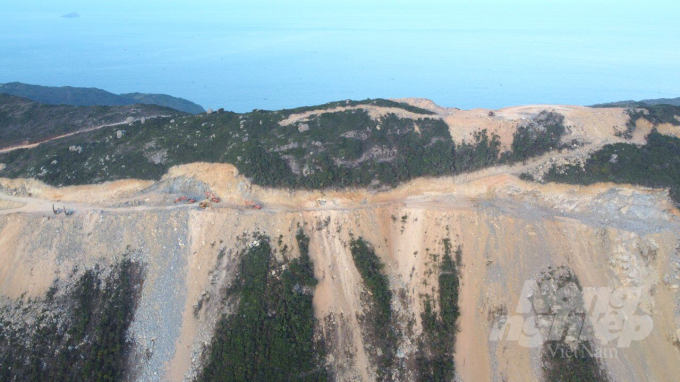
x=77 y=96
x=644 y=102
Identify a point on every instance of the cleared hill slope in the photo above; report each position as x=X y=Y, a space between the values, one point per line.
x=508 y=232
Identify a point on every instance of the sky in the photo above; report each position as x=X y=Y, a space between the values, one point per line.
x=272 y=54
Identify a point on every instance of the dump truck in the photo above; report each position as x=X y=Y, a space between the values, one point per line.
x=185 y=199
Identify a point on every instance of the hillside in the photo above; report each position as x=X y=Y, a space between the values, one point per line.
x=67 y=95
x=164 y=100
x=200 y=266
x=395 y=241
x=644 y=102
x=372 y=143
x=23 y=121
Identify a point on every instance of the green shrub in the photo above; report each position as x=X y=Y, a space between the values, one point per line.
x=89 y=343
x=563 y=360
x=379 y=316
x=270 y=335
x=481 y=153
x=370 y=268
x=655 y=164
x=538 y=137
x=579 y=368
x=436 y=345
x=657 y=114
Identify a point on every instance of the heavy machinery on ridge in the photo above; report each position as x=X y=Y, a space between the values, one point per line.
x=252 y=205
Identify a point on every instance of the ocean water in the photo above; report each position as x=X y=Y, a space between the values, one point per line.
x=272 y=57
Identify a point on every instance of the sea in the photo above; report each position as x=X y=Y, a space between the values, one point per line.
x=273 y=55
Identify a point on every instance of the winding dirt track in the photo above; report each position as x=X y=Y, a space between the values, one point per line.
x=32 y=145
x=44 y=206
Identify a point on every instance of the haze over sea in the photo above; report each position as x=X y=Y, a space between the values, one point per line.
x=275 y=54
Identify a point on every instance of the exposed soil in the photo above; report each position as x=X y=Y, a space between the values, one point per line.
x=509 y=231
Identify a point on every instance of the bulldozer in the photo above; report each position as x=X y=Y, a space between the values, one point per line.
x=210 y=196
x=205 y=204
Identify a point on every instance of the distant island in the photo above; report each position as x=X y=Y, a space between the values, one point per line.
x=67 y=95
x=72 y=15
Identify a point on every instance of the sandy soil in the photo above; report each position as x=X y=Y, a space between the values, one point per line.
x=584 y=123
x=644 y=127
x=10 y=205
x=375 y=112
x=509 y=231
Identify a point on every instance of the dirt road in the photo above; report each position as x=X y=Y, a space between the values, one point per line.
x=32 y=145
x=38 y=205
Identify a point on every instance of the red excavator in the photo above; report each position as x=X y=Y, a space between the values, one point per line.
x=210 y=196
x=185 y=199
x=253 y=205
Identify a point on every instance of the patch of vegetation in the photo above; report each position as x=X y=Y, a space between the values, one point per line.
x=270 y=334
x=571 y=363
x=481 y=153
x=566 y=360
x=655 y=164
x=86 y=341
x=537 y=137
x=527 y=177
x=631 y=125
x=379 y=315
x=655 y=114
x=368 y=102
x=437 y=342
